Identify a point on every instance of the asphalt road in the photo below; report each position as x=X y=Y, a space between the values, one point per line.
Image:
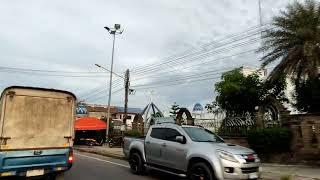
x=95 y=167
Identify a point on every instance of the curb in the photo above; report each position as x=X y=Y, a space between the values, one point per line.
x=269 y=174
x=288 y=165
x=117 y=156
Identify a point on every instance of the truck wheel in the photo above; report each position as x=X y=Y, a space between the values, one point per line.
x=136 y=163
x=200 y=171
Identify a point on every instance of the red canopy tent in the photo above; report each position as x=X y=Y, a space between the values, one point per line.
x=90 y=123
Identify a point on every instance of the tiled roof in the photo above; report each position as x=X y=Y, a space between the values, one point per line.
x=130 y=110
x=90 y=108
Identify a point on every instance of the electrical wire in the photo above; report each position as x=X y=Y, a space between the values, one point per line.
x=204 y=56
x=165 y=62
x=205 y=63
x=97 y=92
x=53 y=75
x=96 y=98
x=177 y=83
x=50 y=71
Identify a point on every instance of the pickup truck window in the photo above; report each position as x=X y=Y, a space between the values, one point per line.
x=201 y=135
x=165 y=134
x=158 y=133
x=171 y=134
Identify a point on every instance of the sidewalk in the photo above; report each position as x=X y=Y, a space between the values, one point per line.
x=276 y=171
x=102 y=150
x=269 y=171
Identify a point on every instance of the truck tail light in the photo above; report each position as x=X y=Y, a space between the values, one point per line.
x=71 y=157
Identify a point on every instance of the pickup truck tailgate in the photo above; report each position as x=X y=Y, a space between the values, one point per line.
x=31 y=159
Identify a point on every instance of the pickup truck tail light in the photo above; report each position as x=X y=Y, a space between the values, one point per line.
x=71 y=157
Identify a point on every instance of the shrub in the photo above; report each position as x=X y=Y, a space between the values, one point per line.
x=270 y=140
x=133 y=133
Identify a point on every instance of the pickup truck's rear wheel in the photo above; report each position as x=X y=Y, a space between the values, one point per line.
x=136 y=163
x=200 y=171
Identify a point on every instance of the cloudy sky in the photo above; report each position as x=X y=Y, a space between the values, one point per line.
x=170 y=46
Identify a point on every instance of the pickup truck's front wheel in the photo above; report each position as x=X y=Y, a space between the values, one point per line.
x=200 y=171
x=136 y=163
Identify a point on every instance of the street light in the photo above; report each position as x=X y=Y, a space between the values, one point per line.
x=113 y=31
x=108 y=70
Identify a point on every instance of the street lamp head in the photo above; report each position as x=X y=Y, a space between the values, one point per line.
x=107 y=28
x=117 y=26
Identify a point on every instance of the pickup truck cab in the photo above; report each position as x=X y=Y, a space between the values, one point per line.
x=36 y=132
x=190 y=151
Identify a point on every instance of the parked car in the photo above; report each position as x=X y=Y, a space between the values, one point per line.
x=36 y=132
x=190 y=151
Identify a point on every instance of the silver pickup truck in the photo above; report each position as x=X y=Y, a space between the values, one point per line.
x=190 y=151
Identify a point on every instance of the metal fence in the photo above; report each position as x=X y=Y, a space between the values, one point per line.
x=210 y=124
x=237 y=126
x=231 y=126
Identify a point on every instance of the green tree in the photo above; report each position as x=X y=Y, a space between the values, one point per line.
x=174 y=110
x=308 y=96
x=294 y=40
x=238 y=94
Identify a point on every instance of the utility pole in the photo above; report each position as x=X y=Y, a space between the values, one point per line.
x=126 y=85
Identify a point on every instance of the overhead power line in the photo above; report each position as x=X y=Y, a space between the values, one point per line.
x=189 y=77
x=100 y=90
x=186 y=79
x=201 y=54
x=53 y=75
x=202 y=46
x=177 y=83
x=200 y=58
x=168 y=60
x=49 y=71
x=100 y=97
x=210 y=61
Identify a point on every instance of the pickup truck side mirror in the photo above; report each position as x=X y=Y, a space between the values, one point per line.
x=181 y=139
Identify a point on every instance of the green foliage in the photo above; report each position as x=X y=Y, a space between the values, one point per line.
x=238 y=94
x=174 y=110
x=294 y=41
x=270 y=140
x=308 y=95
x=133 y=133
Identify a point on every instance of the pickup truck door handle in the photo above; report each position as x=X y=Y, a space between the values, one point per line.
x=147 y=142
x=163 y=144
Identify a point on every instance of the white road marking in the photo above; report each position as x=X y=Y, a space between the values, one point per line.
x=102 y=160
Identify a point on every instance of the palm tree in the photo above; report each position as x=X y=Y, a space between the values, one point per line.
x=294 y=39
